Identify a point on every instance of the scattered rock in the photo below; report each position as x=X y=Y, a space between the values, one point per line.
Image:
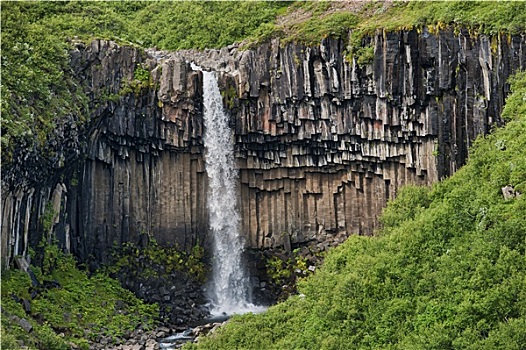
x=27 y=306
x=509 y=192
x=160 y=334
x=22 y=322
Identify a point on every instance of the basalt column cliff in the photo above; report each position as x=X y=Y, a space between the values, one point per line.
x=321 y=141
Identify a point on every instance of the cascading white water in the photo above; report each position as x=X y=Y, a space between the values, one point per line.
x=229 y=287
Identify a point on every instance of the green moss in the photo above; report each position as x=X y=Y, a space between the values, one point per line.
x=142 y=75
x=365 y=55
x=144 y=259
x=229 y=97
x=358 y=48
x=113 y=97
x=286 y=270
x=142 y=82
x=47 y=218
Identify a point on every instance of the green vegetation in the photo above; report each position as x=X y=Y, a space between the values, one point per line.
x=311 y=21
x=75 y=305
x=357 y=48
x=144 y=262
x=285 y=270
x=482 y=17
x=37 y=83
x=229 y=97
x=84 y=307
x=199 y=24
x=313 y=29
x=164 y=24
x=447 y=271
x=142 y=81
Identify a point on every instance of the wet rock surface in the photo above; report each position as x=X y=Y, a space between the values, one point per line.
x=193 y=321
x=165 y=276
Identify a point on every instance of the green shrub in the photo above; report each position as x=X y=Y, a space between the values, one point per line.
x=81 y=305
x=132 y=258
x=410 y=201
x=285 y=271
x=142 y=82
x=37 y=85
x=8 y=341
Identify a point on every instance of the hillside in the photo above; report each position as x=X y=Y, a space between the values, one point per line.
x=446 y=272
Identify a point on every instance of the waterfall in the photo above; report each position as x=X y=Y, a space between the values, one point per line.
x=229 y=289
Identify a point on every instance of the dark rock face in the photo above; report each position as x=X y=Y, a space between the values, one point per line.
x=180 y=298
x=142 y=160
x=321 y=143
x=136 y=169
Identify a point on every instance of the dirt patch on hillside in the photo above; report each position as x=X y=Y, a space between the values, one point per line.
x=301 y=12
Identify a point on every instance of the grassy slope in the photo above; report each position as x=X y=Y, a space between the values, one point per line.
x=488 y=17
x=448 y=270
x=81 y=307
x=310 y=21
x=88 y=306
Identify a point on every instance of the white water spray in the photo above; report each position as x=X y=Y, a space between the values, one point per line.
x=229 y=287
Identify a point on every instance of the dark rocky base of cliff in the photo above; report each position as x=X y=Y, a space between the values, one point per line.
x=180 y=297
x=183 y=312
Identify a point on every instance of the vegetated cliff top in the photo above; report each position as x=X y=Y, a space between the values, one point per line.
x=310 y=21
x=446 y=272
x=38 y=87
